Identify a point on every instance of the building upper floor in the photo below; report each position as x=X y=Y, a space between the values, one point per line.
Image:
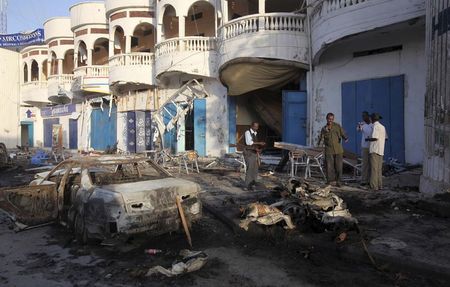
x=130 y=44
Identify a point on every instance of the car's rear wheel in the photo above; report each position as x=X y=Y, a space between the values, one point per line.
x=80 y=229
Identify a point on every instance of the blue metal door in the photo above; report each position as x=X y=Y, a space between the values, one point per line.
x=48 y=130
x=384 y=96
x=73 y=134
x=294 y=117
x=200 y=126
x=170 y=137
x=103 y=128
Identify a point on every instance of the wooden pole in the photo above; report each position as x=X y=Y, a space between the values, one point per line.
x=183 y=220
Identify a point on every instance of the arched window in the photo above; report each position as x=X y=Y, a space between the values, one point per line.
x=54 y=64
x=25 y=73
x=170 y=23
x=82 y=54
x=144 y=38
x=201 y=20
x=44 y=73
x=68 y=63
x=119 y=41
x=101 y=52
x=240 y=8
x=275 y=6
x=34 y=71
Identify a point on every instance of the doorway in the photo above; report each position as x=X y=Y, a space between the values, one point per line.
x=27 y=134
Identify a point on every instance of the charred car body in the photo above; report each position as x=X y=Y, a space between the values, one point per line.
x=103 y=198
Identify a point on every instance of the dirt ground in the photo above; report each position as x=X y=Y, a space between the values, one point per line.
x=50 y=256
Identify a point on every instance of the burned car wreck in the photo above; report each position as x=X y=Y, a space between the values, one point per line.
x=104 y=198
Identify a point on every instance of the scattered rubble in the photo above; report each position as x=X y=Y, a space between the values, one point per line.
x=265 y=215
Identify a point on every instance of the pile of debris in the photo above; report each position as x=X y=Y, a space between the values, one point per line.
x=303 y=203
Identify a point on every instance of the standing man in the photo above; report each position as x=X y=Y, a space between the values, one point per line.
x=365 y=128
x=377 y=142
x=251 y=155
x=331 y=135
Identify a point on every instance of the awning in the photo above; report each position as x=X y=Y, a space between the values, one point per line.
x=246 y=75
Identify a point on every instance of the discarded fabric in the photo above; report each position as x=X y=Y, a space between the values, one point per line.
x=192 y=261
x=265 y=215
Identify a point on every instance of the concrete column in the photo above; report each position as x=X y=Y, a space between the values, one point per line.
x=60 y=66
x=89 y=57
x=49 y=67
x=181 y=26
x=224 y=11
x=262 y=6
x=159 y=33
x=127 y=44
x=75 y=58
x=29 y=71
x=39 y=72
x=111 y=45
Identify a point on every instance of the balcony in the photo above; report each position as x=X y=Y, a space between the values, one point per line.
x=335 y=19
x=190 y=55
x=135 y=69
x=59 y=84
x=34 y=93
x=115 y=5
x=91 y=79
x=279 y=36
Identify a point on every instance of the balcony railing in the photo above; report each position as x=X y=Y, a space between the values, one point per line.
x=35 y=85
x=263 y=22
x=133 y=59
x=92 y=71
x=61 y=79
x=186 y=44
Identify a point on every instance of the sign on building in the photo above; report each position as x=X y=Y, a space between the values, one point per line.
x=22 y=39
x=57 y=111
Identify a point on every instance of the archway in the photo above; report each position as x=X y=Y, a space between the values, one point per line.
x=170 y=23
x=68 y=62
x=82 y=54
x=53 y=64
x=276 y=6
x=201 y=20
x=144 y=38
x=240 y=8
x=119 y=41
x=44 y=73
x=34 y=71
x=25 y=73
x=101 y=52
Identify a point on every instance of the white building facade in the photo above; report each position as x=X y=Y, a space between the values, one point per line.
x=193 y=75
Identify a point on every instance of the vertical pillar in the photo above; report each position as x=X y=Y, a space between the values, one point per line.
x=39 y=72
x=127 y=44
x=75 y=58
x=89 y=57
x=30 y=67
x=49 y=67
x=60 y=66
x=111 y=43
x=225 y=11
x=181 y=30
x=261 y=6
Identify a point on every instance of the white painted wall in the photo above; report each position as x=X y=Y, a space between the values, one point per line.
x=9 y=98
x=337 y=65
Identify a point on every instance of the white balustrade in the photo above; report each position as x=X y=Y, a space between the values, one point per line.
x=186 y=44
x=92 y=71
x=334 y=5
x=263 y=22
x=61 y=79
x=133 y=59
x=35 y=84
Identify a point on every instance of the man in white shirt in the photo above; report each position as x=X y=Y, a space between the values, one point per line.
x=377 y=142
x=251 y=153
x=365 y=128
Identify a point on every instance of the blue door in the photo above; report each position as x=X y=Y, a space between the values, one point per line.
x=232 y=122
x=200 y=126
x=73 y=134
x=294 y=117
x=103 y=128
x=384 y=96
x=48 y=130
x=170 y=138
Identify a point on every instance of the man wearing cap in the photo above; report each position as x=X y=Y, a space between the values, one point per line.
x=376 y=150
x=331 y=135
x=365 y=128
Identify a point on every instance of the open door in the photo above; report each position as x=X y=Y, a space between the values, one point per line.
x=30 y=205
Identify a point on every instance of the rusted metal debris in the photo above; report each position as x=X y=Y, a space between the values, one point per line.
x=104 y=197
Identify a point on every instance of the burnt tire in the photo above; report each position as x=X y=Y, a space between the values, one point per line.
x=80 y=230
